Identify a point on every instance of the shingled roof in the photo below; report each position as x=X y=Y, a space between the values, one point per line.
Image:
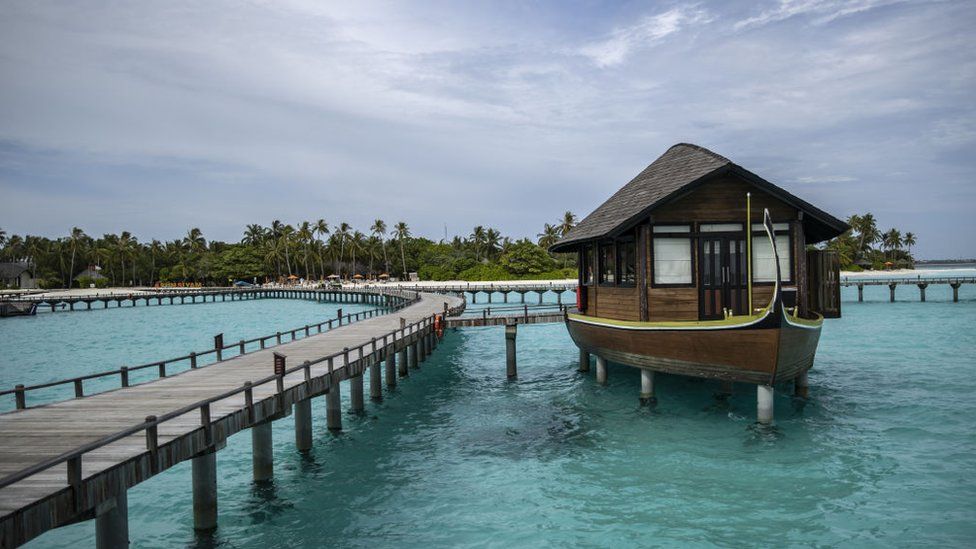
x=679 y=168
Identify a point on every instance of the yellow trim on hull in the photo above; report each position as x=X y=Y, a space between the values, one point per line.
x=731 y=322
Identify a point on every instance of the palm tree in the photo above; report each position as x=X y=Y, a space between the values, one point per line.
x=492 y=242
x=867 y=228
x=401 y=231
x=254 y=234
x=355 y=243
x=910 y=241
x=3 y=237
x=322 y=229
x=892 y=240
x=379 y=229
x=568 y=222
x=286 y=233
x=305 y=234
x=155 y=249
x=548 y=236
x=342 y=233
x=76 y=235
x=477 y=239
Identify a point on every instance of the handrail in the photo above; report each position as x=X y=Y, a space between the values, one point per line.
x=154 y=293
x=20 y=390
x=424 y=324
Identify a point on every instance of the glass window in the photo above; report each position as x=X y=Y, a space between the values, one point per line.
x=672 y=261
x=672 y=228
x=763 y=264
x=607 y=264
x=627 y=255
x=777 y=227
x=588 y=265
x=719 y=227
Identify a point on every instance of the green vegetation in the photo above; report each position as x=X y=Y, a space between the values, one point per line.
x=857 y=250
x=309 y=250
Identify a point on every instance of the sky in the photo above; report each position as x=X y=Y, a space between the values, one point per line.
x=155 y=117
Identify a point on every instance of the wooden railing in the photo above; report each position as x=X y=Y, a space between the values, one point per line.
x=20 y=391
x=73 y=458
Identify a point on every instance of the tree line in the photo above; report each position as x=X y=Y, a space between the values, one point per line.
x=311 y=250
x=864 y=246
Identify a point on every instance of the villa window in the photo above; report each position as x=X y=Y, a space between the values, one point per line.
x=588 y=265
x=763 y=264
x=607 y=264
x=627 y=262
x=672 y=254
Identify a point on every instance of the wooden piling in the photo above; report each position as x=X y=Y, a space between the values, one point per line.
x=511 y=331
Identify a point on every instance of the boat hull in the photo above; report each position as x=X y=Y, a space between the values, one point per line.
x=764 y=352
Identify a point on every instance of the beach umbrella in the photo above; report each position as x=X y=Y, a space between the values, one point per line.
x=292 y=277
x=332 y=276
x=357 y=276
x=384 y=275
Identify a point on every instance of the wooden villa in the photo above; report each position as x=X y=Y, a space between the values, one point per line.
x=666 y=283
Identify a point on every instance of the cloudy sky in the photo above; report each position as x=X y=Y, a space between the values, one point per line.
x=158 y=117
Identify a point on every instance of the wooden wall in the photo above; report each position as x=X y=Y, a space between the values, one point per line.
x=721 y=200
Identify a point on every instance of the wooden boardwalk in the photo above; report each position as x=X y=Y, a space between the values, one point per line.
x=60 y=462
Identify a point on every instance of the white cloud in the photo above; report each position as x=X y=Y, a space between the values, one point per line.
x=822 y=11
x=648 y=31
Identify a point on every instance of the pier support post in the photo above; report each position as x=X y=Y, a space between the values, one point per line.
x=390 y=368
x=421 y=348
x=726 y=388
x=955 y=291
x=205 y=490
x=356 y=394
x=801 y=386
x=860 y=292
x=412 y=355
x=891 y=288
x=375 y=381
x=303 y=425
x=401 y=358
x=333 y=407
x=112 y=523
x=764 y=404
x=511 y=331
x=647 y=387
x=584 y=361
x=601 y=370
x=921 y=291
x=262 y=453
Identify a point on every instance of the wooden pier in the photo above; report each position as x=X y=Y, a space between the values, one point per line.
x=179 y=297
x=74 y=460
x=474 y=289
x=921 y=283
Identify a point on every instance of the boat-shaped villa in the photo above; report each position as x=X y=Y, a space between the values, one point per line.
x=669 y=281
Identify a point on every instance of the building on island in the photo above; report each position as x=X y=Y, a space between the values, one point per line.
x=18 y=274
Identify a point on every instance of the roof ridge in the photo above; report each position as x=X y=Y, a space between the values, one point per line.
x=699 y=148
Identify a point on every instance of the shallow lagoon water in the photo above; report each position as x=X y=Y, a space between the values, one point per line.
x=882 y=454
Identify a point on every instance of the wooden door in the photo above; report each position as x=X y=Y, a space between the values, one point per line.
x=722 y=276
x=711 y=269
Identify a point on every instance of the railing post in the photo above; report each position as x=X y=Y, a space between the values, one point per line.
x=193 y=360
x=241 y=345
x=249 y=401
x=20 y=396
x=152 y=443
x=162 y=369
x=339 y=315
x=74 y=479
x=79 y=389
x=219 y=346
x=205 y=422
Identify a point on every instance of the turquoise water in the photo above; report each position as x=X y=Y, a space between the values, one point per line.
x=881 y=455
